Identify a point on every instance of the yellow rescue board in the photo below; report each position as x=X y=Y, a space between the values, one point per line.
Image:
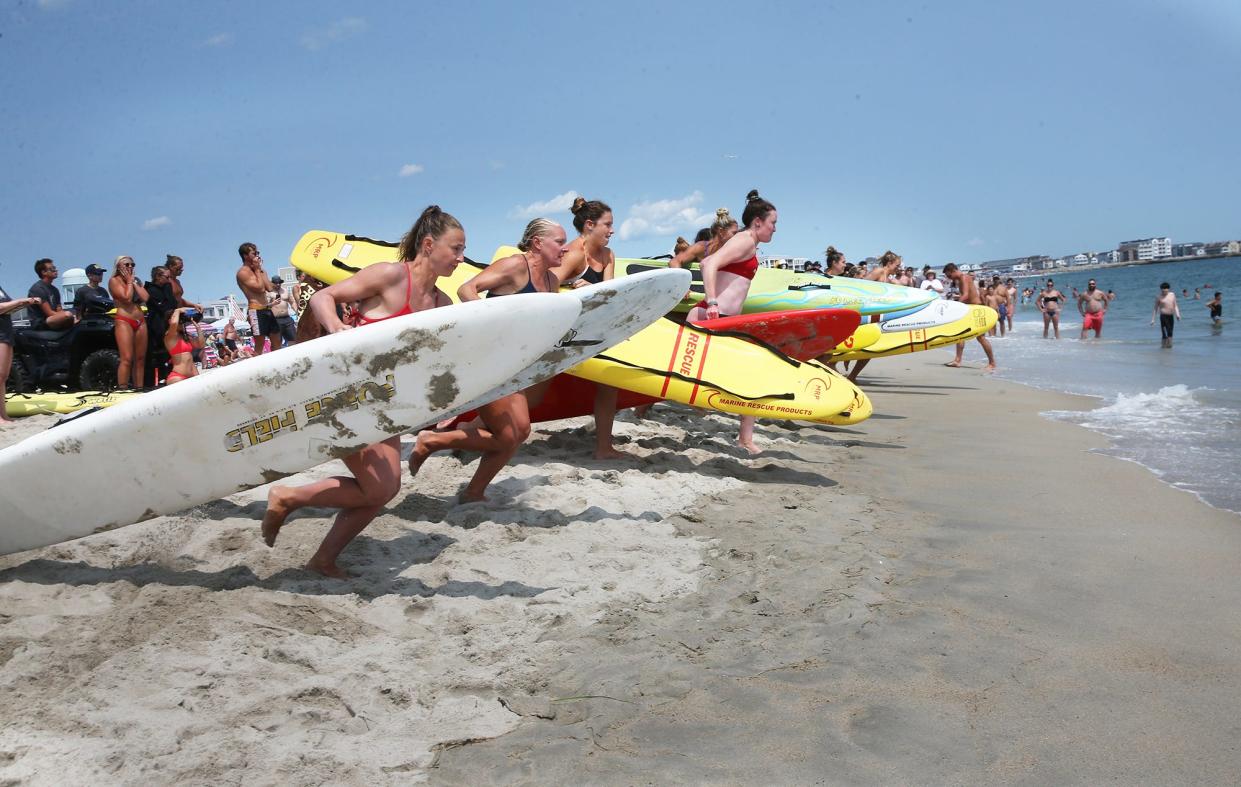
x=683 y=364
x=978 y=321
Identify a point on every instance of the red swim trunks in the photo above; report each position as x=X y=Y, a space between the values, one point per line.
x=1092 y=322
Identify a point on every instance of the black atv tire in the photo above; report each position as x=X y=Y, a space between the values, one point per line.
x=98 y=371
x=19 y=379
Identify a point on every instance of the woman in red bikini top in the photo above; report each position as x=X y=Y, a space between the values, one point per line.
x=129 y=323
x=726 y=277
x=180 y=347
x=433 y=247
x=726 y=274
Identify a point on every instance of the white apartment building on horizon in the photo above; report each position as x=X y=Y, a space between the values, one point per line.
x=1145 y=249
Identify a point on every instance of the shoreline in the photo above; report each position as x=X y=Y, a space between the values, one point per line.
x=870 y=602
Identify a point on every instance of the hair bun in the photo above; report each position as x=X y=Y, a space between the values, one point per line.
x=721 y=213
x=681 y=239
x=752 y=196
x=431 y=210
x=578 y=204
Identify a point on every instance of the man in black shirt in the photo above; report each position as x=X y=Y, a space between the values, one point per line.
x=48 y=316
x=92 y=291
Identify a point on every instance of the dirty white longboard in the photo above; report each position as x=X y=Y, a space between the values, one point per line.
x=259 y=420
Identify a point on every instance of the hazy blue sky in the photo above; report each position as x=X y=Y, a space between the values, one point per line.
x=958 y=131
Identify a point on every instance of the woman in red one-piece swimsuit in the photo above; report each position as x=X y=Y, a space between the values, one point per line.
x=433 y=247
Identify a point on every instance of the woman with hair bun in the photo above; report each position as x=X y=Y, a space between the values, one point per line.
x=588 y=260
x=503 y=425
x=726 y=276
x=433 y=247
x=723 y=228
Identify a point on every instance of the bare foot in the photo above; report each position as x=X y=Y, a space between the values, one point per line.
x=751 y=447
x=641 y=410
x=277 y=511
x=418 y=455
x=467 y=497
x=954 y=364
x=989 y=367
x=330 y=570
x=612 y=453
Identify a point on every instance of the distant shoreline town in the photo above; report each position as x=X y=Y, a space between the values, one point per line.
x=1146 y=251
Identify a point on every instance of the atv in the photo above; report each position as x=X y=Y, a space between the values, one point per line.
x=83 y=357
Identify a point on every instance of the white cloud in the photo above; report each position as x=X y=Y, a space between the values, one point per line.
x=496 y=166
x=411 y=169
x=665 y=217
x=336 y=31
x=219 y=39
x=557 y=204
x=156 y=223
x=975 y=242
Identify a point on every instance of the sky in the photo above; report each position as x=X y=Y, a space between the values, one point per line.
x=946 y=131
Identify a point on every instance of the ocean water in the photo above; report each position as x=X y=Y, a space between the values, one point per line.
x=1176 y=411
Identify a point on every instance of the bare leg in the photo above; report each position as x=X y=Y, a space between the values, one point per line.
x=507 y=424
x=605 y=416
x=6 y=359
x=858 y=366
x=140 y=357
x=960 y=354
x=745 y=438
x=370 y=482
x=986 y=347
x=124 y=335
x=1055 y=319
x=1046 y=323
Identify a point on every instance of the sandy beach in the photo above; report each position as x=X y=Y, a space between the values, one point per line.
x=956 y=591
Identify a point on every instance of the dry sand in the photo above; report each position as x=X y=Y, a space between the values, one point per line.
x=956 y=591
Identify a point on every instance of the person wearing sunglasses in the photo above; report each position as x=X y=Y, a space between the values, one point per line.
x=129 y=323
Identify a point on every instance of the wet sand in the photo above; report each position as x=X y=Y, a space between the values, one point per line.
x=956 y=591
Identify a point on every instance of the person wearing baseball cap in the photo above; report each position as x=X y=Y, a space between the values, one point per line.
x=91 y=291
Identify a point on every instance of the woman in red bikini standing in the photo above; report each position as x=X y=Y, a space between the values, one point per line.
x=726 y=277
x=129 y=323
x=181 y=348
x=433 y=247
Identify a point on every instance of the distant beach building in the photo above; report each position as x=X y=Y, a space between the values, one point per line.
x=1105 y=257
x=1145 y=249
x=1223 y=248
x=1189 y=249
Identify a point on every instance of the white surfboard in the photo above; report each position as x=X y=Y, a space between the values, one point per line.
x=612 y=311
x=262 y=419
x=938 y=312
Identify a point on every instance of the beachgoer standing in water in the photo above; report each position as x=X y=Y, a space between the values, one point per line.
x=1049 y=304
x=726 y=277
x=1093 y=306
x=1167 y=310
x=433 y=247
x=969 y=294
x=1216 y=307
x=503 y=425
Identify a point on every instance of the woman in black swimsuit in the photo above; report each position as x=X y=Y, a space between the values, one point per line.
x=503 y=425
x=1049 y=304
